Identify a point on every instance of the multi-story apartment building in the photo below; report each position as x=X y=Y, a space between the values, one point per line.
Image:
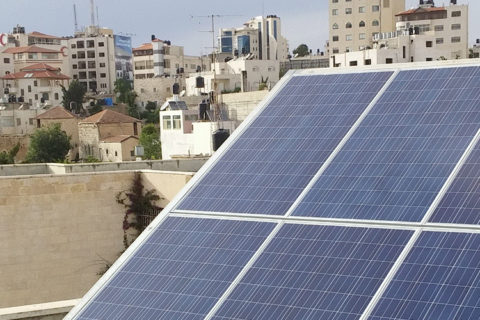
x=38 y=84
x=260 y=38
x=158 y=65
x=92 y=54
x=426 y=33
x=161 y=58
x=353 y=23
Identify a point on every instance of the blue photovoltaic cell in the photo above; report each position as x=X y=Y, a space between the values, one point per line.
x=461 y=203
x=266 y=169
x=315 y=272
x=400 y=156
x=440 y=279
x=180 y=272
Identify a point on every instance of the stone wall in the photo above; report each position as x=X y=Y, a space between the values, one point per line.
x=240 y=105
x=58 y=231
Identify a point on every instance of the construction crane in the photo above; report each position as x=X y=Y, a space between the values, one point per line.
x=216 y=105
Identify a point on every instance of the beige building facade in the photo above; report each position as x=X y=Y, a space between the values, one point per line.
x=354 y=23
x=104 y=125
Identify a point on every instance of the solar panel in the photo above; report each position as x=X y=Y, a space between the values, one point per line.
x=440 y=279
x=376 y=149
x=181 y=270
x=268 y=166
x=461 y=203
x=400 y=156
x=316 y=272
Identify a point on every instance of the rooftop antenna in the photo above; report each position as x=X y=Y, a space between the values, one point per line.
x=92 y=12
x=216 y=109
x=98 y=20
x=75 y=17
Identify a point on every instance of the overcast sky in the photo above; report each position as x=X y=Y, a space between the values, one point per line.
x=303 y=21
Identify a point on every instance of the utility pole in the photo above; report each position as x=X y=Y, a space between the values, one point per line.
x=92 y=13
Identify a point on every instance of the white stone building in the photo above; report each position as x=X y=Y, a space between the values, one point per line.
x=352 y=24
x=426 y=33
x=239 y=74
x=260 y=38
x=92 y=54
x=182 y=134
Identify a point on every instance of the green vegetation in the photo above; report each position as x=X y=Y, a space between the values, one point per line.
x=73 y=96
x=301 y=51
x=48 y=144
x=140 y=209
x=125 y=94
x=9 y=157
x=150 y=141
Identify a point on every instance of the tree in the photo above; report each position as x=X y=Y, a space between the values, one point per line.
x=301 y=51
x=122 y=89
x=9 y=157
x=150 y=115
x=140 y=208
x=48 y=144
x=73 y=96
x=131 y=106
x=150 y=141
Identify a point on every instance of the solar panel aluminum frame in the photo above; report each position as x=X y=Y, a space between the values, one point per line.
x=170 y=208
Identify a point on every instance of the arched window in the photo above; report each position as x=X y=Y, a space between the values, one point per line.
x=335 y=26
x=348 y=25
x=375 y=23
x=361 y=24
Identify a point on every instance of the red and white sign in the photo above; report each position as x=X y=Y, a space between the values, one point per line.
x=3 y=39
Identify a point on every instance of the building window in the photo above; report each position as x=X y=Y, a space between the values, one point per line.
x=335 y=12
x=103 y=75
x=349 y=37
x=429 y=44
x=386 y=3
x=102 y=65
x=335 y=50
x=348 y=10
x=388 y=60
x=177 y=122
x=375 y=23
x=456 y=39
x=361 y=24
x=167 y=122
x=35 y=83
x=335 y=26
x=56 y=96
x=116 y=154
x=6 y=60
x=74 y=66
x=375 y=8
x=362 y=36
x=334 y=38
x=353 y=63
x=334 y=1
x=348 y=25
x=429 y=59
x=439 y=41
x=30 y=121
x=456 y=26
x=36 y=97
x=19 y=122
x=101 y=44
x=368 y=62
x=29 y=88
x=456 y=13
x=73 y=46
x=135 y=129
x=362 y=10
x=101 y=54
x=438 y=27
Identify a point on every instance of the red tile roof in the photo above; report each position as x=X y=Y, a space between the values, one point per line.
x=118 y=139
x=420 y=10
x=39 y=66
x=37 y=71
x=57 y=113
x=42 y=35
x=110 y=116
x=29 y=49
x=145 y=46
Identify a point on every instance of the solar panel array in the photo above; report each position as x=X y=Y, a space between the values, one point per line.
x=344 y=196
